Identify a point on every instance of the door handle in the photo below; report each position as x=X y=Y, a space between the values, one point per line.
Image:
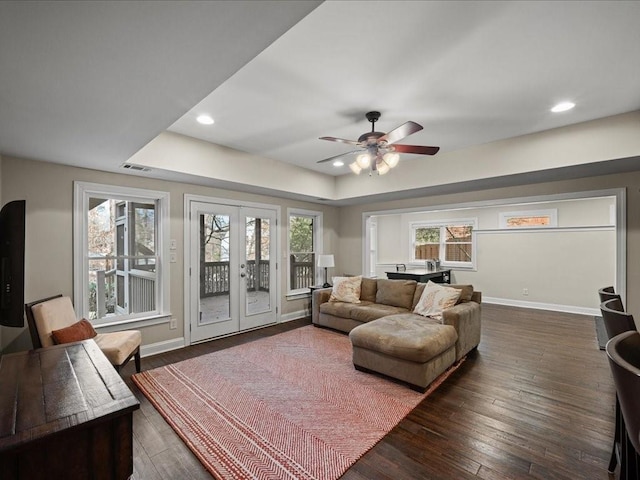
x=242 y=275
x=242 y=265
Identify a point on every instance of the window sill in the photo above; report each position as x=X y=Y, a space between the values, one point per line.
x=297 y=294
x=133 y=323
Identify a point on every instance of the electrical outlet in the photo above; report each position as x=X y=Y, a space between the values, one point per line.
x=525 y=291
x=173 y=244
x=173 y=324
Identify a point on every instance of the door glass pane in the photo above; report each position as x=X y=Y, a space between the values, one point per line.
x=214 y=267
x=257 y=244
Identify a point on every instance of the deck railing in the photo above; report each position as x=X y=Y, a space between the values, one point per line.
x=142 y=296
x=214 y=278
x=302 y=273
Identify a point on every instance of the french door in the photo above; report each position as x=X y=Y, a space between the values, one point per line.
x=232 y=265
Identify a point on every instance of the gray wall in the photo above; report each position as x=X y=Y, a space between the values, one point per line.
x=48 y=190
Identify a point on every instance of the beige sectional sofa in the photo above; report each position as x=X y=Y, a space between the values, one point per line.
x=389 y=338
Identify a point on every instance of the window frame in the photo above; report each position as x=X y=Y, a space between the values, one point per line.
x=82 y=192
x=442 y=225
x=504 y=217
x=317 y=250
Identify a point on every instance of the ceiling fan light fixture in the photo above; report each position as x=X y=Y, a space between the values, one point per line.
x=391 y=159
x=355 y=168
x=382 y=167
x=363 y=160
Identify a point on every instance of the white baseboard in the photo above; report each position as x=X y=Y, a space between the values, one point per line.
x=287 y=317
x=161 y=347
x=542 y=306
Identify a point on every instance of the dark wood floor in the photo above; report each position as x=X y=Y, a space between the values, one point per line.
x=535 y=401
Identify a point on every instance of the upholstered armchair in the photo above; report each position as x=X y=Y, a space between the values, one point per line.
x=50 y=317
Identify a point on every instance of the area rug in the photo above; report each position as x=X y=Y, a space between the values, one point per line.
x=601 y=333
x=289 y=406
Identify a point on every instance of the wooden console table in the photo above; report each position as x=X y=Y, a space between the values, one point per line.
x=64 y=413
x=421 y=275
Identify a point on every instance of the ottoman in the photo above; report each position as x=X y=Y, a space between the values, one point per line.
x=407 y=347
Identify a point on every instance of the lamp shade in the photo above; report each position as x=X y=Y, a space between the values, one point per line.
x=325 y=261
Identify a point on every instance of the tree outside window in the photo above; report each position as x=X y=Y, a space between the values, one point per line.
x=301 y=252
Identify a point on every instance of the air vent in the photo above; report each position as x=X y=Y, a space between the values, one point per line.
x=137 y=168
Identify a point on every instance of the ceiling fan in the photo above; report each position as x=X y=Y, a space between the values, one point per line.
x=379 y=151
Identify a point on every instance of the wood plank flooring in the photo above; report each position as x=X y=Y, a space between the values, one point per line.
x=536 y=400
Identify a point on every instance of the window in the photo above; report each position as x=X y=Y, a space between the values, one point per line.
x=118 y=237
x=529 y=219
x=453 y=242
x=305 y=244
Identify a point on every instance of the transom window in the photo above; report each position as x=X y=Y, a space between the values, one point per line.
x=529 y=219
x=453 y=242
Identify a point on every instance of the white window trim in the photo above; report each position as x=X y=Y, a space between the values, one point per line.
x=552 y=213
x=443 y=223
x=82 y=192
x=318 y=234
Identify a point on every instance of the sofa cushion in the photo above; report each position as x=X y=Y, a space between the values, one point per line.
x=398 y=293
x=373 y=311
x=368 y=289
x=346 y=289
x=340 y=309
x=405 y=336
x=435 y=298
x=466 y=292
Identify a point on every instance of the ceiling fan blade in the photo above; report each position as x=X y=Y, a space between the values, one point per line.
x=402 y=131
x=341 y=140
x=338 y=156
x=418 y=149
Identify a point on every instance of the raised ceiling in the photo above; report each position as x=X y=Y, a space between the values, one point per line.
x=91 y=83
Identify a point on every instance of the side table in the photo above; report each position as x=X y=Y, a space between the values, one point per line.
x=64 y=413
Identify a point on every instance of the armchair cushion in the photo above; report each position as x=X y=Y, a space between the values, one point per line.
x=118 y=346
x=54 y=314
x=81 y=330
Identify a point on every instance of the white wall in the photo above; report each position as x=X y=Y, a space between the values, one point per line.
x=554 y=268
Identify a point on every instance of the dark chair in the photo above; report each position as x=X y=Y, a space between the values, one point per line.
x=616 y=321
x=54 y=313
x=624 y=359
x=608 y=293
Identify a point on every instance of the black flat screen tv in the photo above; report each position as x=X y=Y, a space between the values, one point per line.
x=12 y=237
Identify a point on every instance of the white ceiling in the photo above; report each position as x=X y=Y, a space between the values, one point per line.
x=469 y=72
x=90 y=83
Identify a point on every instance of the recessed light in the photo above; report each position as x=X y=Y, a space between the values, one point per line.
x=205 y=120
x=338 y=163
x=563 y=107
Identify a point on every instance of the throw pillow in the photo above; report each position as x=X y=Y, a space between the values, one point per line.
x=435 y=298
x=346 y=289
x=81 y=330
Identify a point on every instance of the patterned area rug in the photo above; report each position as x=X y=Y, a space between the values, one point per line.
x=290 y=406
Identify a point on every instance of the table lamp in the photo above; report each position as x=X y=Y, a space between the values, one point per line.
x=325 y=261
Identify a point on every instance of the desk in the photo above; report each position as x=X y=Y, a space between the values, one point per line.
x=421 y=275
x=64 y=413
